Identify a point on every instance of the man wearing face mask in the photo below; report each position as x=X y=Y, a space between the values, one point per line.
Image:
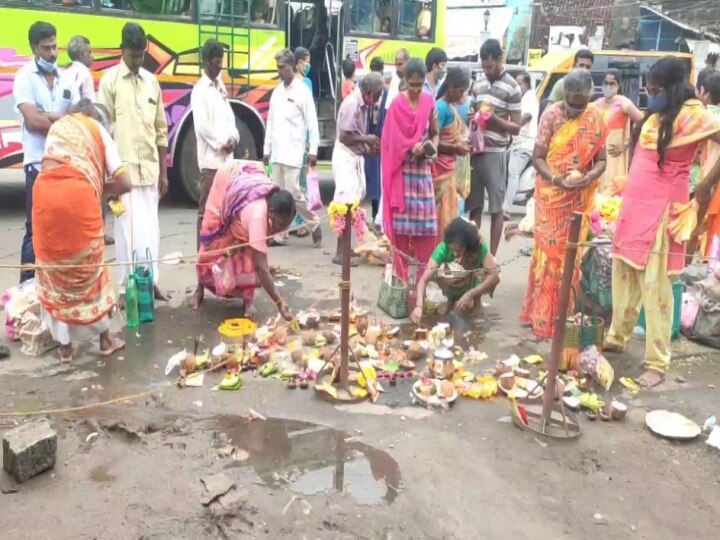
x=353 y=142
x=584 y=59
x=39 y=98
x=435 y=62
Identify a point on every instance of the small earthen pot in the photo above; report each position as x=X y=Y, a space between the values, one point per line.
x=421 y=333
x=618 y=410
x=507 y=381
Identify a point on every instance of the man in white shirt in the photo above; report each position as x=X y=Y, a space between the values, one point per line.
x=524 y=144
x=291 y=118
x=214 y=122
x=77 y=78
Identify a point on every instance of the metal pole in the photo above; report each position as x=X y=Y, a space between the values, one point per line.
x=563 y=302
x=345 y=300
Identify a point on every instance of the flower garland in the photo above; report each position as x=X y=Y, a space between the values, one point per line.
x=337 y=212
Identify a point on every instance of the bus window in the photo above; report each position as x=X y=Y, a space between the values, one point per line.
x=175 y=8
x=415 y=19
x=371 y=17
x=68 y=3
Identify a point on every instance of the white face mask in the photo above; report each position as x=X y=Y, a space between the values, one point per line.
x=610 y=91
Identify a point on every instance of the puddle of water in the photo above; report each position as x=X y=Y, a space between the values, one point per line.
x=309 y=459
x=101 y=475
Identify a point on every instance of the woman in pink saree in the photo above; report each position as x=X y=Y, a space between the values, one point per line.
x=243 y=210
x=646 y=258
x=409 y=144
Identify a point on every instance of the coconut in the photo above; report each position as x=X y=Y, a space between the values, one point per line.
x=329 y=336
x=361 y=324
x=296 y=356
x=309 y=337
x=280 y=335
x=415 y=351
x=574 y=177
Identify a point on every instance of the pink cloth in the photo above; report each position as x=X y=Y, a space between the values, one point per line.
x=420 y=247
x=404 y=127
x=647 y=197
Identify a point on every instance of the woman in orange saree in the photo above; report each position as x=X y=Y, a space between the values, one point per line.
x=73 y=286
x=571 y=137
x=453 y=143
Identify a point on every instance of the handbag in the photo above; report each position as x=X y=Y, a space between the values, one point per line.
x=581 y=331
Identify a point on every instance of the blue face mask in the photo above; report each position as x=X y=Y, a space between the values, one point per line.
x=44 y=65
x=657 y=103
x=306 y=70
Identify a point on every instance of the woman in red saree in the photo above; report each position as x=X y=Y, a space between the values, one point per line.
x=646 y=258
x=244 y=209
x=68 y=227
x=571 y=137
x=410 y=140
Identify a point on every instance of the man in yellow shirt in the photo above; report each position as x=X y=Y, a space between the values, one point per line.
x=133 y=97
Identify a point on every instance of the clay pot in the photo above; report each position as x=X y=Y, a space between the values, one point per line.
x=618 y=410
x=507 y=381
x=372 y=334
x=361 y=325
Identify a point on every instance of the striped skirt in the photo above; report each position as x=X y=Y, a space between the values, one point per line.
x=419 y=217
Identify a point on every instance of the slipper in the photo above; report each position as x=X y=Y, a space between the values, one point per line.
x=115 y=346
x=65 y=359
x=317 y=237
x=232 y=381
x=4 y=352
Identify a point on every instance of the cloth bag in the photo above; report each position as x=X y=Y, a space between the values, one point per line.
x=392 y=298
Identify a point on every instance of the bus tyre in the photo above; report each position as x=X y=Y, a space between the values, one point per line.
x=189 y=171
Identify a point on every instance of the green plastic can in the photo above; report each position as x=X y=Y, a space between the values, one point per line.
x=143 y=276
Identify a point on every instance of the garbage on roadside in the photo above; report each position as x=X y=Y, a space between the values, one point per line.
x=671 y=425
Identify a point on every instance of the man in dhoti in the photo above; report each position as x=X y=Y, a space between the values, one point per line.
x=132 y=95
x=353 y=142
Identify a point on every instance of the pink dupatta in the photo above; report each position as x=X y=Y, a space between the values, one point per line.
x=403 y=128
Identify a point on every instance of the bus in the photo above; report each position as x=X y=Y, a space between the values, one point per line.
x=252 y=32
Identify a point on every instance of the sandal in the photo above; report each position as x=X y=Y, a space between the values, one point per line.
x=232 y=381
x=4 y=352
x=317 y=237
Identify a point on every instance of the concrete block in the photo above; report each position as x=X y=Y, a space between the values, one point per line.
x=29 y=450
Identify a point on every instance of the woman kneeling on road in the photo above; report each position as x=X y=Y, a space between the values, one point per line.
x=243 y=210
x=462 y=245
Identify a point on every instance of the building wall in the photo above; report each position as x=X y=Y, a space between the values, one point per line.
x=586 y=13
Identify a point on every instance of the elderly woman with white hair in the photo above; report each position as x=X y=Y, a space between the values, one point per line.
x=569 y=158
x=81 y=165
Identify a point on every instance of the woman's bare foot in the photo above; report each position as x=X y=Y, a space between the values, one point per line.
x=651 y=378
x=66 y=352
x=250 y=310
x=110 y=345
x=197 y=297
x=161 y=296
x=612 y=348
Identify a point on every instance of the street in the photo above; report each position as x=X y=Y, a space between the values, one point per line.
x=389 y=470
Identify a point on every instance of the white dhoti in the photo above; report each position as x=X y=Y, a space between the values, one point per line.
x=65 y=333
x=349 y=173
x=137 y=231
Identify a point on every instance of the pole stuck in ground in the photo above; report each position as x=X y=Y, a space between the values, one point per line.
x=563 y=304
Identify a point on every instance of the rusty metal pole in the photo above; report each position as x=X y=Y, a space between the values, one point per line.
x=563 y=303
x=345 y=300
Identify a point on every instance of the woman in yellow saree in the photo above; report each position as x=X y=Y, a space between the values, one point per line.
x=73 y=286
x=571 y=137
x=453 y=146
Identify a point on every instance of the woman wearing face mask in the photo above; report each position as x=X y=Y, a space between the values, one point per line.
x=618 y=111
x=569 y=157
x=409 y=142
x=645 y=257
x=454 y=144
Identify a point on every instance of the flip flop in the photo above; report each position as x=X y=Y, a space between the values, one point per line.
x=115 y=346
x=65 y=359
x=4 y=352
x=232 y=381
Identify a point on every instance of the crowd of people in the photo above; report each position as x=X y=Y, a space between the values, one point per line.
x=404 y=141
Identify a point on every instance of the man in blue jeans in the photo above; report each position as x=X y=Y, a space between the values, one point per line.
x=41 y=101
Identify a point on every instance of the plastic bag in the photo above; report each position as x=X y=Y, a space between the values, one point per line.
x=434 y=298
x=224 y=276
x=689 y=310
x=462 y=176
x=477 y=140
x=313 y=190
